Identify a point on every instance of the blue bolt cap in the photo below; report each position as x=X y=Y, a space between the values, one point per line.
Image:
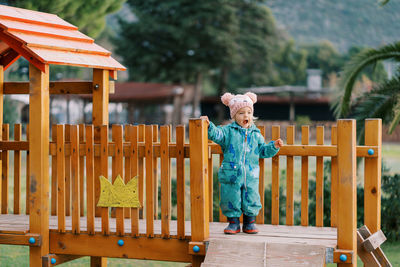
x=120 y=242
x=196 y=249
x=370 y=151
x=32 y=240
x=343 y=257
x=53 y=261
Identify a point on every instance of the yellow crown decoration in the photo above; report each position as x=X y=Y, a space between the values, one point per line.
x=119 y=194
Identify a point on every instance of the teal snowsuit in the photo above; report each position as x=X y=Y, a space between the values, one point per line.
x=239 y=172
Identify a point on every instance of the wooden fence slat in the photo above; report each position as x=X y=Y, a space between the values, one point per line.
x=334 y=179
x=180 y=180
x=149 y=181
x=290 y=136
x=90 y=191
x=67 y=173
x=60 y=139
x=142 y=183
x=319 y=206
x=75 y=181
x=5 y=160
x=165 y=182
x=127 y=166
x=28 y=190
x=222 y=217
x=134 y=158
x=81 y=128
x=53 y=174
x=155 y=173
x=105 y=224
x=17 y=171
x=304 y=178
x=261 y=186
x=275 y=181
x=117 y=132
x=372 y=176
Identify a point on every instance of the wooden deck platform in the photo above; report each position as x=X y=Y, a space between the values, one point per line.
x=324 y=236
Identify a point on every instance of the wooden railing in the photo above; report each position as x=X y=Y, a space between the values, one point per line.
x=136 y=150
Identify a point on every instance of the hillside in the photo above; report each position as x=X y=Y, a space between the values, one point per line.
x=344 y=23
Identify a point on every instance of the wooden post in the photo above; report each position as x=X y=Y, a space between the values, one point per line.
x=275 y=181
x=99 y=117
x=347 y=188
x=372 y=176
x=290 y=135
x=304 y=177
x=39 y=161
x=198 y=139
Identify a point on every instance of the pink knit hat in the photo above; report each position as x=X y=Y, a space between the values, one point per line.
x=236 y=102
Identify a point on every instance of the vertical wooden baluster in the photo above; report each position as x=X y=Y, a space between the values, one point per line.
x=81 y=128
x=372 y=176
x=134 y=157
x=180 y=179
x=275 y=181
x=141 y=172
x=90 y=191
x=289 y=178
x=68 y=172
x=210 y=182
x=105 y=224
x=319 y=217
x=334 y=179
x=53 y=174
x=27 y=182
x=17 y=171
x=75 y=181
x=5 y=163
x=165 y=181
x=60 y=145
x=1 y=119
x=155 y=173
x=304 y=178
x=149 y=181
x=261 y=186
x=127 y=164
x=117 y=132
x=222 y=217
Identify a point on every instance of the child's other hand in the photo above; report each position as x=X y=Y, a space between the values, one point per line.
x=278 y=143
x=205 y=118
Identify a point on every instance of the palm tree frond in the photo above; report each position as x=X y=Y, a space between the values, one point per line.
x=396 y=117
x=356 y=66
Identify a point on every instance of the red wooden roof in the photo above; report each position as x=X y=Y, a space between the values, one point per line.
x=44 y=38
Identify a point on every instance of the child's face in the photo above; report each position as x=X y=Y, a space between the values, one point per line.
x=244 y=117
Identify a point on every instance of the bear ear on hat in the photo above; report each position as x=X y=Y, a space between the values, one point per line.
x=252 y=96
x=226 y=98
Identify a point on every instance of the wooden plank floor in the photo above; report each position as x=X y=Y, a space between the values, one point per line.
x=322 y=236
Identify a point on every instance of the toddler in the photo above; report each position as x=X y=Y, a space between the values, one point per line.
x=242 y=145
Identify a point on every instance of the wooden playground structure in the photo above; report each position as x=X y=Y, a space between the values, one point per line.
x=61 y=221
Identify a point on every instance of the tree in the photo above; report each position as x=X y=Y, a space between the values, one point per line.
x=88 y=15
x=383 y=101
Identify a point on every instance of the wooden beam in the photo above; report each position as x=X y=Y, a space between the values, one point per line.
x=56 y=88
x=374 y=241
x=8 y=59
x=99 y=118
x=39 y=160
x=347 y=186
x=373 y=258
x=59 y=259
x=19 y=48
x=22 y=240
x=199 y=198
x=1 y=116
x=133 y=248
